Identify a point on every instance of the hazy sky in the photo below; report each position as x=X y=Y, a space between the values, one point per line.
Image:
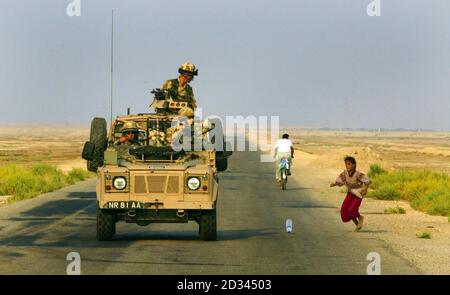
x=314 y=63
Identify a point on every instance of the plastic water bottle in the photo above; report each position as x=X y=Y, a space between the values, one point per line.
x=289 y=225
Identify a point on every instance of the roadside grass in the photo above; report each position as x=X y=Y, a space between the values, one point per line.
x=24 y=183
x=424 y=235
x=395 y=210
x=78 y=174
x=425 y=190
x=375 y=170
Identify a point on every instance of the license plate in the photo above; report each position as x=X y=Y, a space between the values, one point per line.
x=124 y=205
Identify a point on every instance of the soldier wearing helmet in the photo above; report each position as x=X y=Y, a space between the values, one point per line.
x=179 y=88
x=130 y=134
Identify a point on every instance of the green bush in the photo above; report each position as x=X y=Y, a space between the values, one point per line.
x=427 y=191
x=375 y=170
x=385 y=192
x=395 y=210
x=424 y=235
x=78 y=174
x=23 y=183
x=436 y=202
x=17 y=181
x=49 y=177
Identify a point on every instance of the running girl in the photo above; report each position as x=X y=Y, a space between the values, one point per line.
x=357 y=184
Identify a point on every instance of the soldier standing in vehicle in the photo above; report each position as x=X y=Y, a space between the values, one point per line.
x=179 y=88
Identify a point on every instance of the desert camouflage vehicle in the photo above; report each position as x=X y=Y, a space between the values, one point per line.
x=152 y=182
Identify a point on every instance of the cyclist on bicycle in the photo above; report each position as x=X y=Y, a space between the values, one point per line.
x=283 y=149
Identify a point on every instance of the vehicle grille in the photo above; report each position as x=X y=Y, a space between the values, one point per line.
x=156 y=184
x=173 y=185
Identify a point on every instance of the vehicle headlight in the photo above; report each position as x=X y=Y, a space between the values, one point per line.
x=193 y=183
x=119 y=183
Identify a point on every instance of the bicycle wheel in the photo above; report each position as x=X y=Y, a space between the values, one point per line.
x=283 y=179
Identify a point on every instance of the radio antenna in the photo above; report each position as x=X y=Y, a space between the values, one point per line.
x=112 y=64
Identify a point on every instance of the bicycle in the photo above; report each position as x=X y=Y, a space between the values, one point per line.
x=284 y=168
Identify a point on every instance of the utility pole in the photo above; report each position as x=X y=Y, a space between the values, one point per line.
x=112 y=65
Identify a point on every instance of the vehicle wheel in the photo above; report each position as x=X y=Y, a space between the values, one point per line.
x=208 y=226
x=98 y=138
x=283 y=185
x=221 y=164
x=106 y=225
x=142 y=223
x=283 y=180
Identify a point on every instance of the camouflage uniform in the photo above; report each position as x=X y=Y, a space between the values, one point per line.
x=180 y=92
x=123 y=148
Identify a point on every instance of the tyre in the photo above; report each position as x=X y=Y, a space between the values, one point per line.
x=208 y=226
x=283 y=185
x=106 y=225
x=98 y=138
x=283 y=179
x=222 y=152
x=222 y=164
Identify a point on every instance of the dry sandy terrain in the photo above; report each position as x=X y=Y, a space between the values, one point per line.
x=29 y=145
x=319 y=160
x=418 y=150
x=317 y=163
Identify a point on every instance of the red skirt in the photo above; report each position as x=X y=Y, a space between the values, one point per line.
x=350 y=207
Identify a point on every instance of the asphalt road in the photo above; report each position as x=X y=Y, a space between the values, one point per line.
x=36 y=235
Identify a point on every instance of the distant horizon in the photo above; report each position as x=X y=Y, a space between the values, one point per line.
x=311 y=128
x=312 y=63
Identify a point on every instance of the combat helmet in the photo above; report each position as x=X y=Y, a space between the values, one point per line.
x=188 y=69
x=129 y=126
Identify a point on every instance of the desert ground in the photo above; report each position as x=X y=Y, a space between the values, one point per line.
x=61 y=146
x=28 y=145
x=415 y=150
x=319 y=159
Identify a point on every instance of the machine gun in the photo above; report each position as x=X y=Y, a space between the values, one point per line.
x=166 y=101
x=159 y=94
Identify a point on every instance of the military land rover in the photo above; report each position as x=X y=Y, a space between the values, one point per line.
x=151 y=181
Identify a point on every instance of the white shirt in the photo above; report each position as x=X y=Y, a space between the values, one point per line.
x=283 y=145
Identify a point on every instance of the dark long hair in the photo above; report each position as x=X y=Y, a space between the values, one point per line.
x=353 y=161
